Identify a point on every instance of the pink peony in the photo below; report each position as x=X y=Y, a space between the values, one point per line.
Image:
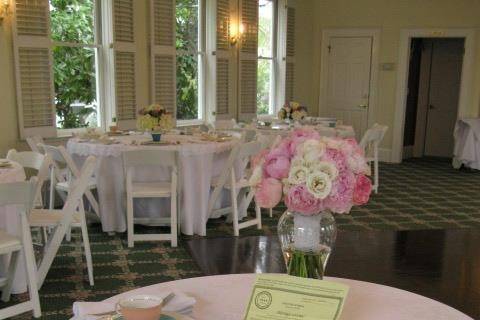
x=306 y=133
x=340 y=199
x=268 y=193
x=258 y=159
x=299 y=136
x=298 y=199
x=337 y=157
x=277 y=167
x=282 y=150
x=362 y=190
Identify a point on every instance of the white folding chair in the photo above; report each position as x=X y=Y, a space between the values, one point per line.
x=241 y=193
x=269 y=141
x=39 y=162
x=248 y=135
x=160 y=189
x=71 y=215
x=20 y=194
x=33 y=143
x=224 y=124
x=369 y=143
x=61 y=182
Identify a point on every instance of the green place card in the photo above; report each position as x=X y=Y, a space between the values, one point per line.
x=283 y=297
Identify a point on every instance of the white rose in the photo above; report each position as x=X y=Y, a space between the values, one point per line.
x=256 y=176
x=328 y=168
x=319 y=184
x=298 y=162
x=297 y=175
x=311 y=157
x=311 y=145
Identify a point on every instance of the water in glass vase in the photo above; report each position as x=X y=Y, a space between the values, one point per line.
x=310 y=264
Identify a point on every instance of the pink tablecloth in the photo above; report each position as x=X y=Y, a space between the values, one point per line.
x=10 y=222
x=226 y=297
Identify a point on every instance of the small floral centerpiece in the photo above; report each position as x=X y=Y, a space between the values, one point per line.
x=292 y=111
x=315 y=176
x=155 y=119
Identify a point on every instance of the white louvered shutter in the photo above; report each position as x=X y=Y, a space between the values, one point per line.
x=33 y=68
x=163 y=54
x=125 y=63
x=220 y=61
x=248 y=56
x=290 y=56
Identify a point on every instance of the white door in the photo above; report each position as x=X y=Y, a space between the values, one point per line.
x=445 y=77
x=348 y=86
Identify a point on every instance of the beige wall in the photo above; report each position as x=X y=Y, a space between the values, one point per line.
x=390 y=16
x=312 y=17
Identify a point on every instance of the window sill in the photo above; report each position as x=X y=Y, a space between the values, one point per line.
x=68 y=133
x=186 y=123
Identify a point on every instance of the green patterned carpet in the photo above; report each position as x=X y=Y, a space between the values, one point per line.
x=418 y=194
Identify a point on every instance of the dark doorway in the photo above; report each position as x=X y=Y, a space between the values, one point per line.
x=433 y=92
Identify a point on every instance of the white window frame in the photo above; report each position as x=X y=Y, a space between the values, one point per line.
x=274 y=59
x=201 y=68
x=96 y=45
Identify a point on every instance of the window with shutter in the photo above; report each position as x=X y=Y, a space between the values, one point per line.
x=163 y=79
x=267 y=56
x=120 y=66
x=220 y=66
x=190 y=60
x=248 y=56
x=33 y=65
x=290 y=56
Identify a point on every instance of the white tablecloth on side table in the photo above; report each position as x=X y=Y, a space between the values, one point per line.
x=226 y=297
x=467 y=143
x=342 y=131
x=199 y=162
x=10 y=223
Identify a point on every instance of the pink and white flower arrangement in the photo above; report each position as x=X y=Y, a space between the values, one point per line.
x=313 y=174
x=293 y=111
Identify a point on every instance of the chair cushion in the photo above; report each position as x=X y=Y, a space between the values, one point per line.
x=151 y=189
x=49 y=218
x=65 y=186
x=9 y=243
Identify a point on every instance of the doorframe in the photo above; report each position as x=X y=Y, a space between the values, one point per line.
x=466 y=82
x=374 y=33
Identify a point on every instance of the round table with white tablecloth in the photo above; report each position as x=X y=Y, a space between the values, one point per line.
x=10 y=223
x=226 y=297
x=341 y=131
x=200 y=160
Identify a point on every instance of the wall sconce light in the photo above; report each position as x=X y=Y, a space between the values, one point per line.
x=4 y=9
x=236 y=32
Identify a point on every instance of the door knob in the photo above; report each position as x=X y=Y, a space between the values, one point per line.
x=363 y=106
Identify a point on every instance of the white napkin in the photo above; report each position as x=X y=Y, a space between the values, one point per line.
x=181 y=304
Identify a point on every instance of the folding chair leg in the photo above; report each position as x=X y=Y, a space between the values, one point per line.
x=68 y=236
x=270 y=212
x=130 y=225
x=259 y=217
x=86 y=244
x=375 y=164
x=236 y=230
x=30 y=263
x=7 y=289
x=173 y=221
